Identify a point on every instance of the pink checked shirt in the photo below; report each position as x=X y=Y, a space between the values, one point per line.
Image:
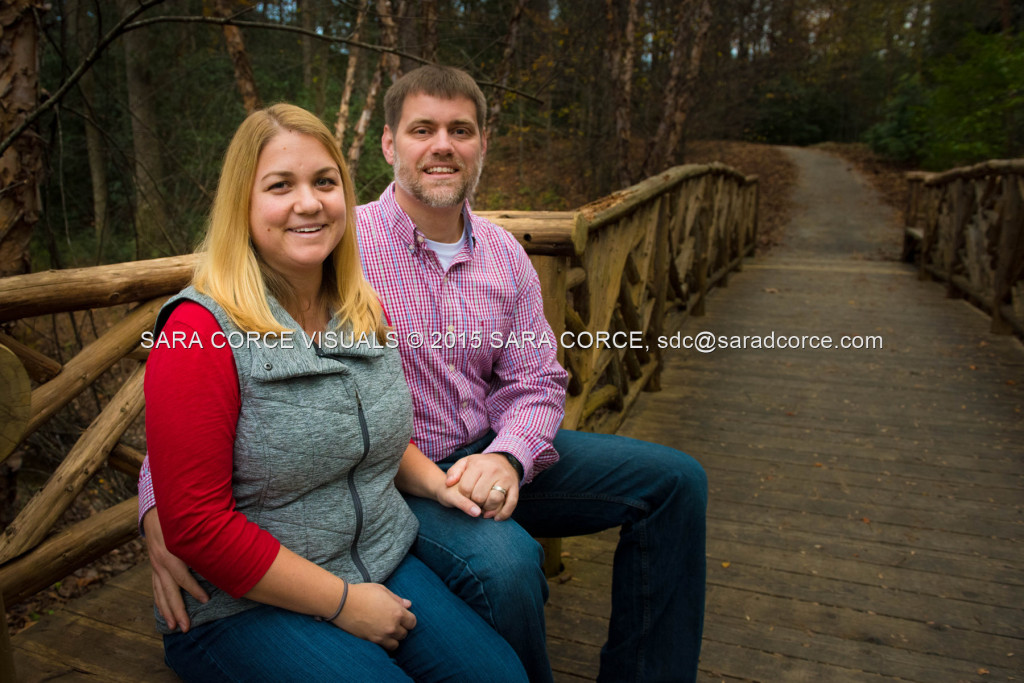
x=476 y=350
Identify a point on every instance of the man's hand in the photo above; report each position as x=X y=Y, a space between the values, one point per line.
x=478 y=474
x=374 y=613
x=169 y=575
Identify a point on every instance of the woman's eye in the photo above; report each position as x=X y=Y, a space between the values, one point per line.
x=326 y=182
x=279 y=185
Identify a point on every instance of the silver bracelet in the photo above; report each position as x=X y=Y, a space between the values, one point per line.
x=341 y=605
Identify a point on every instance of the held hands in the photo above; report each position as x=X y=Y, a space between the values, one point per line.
x=374 y=613
x=170 y=575
x=479 y=478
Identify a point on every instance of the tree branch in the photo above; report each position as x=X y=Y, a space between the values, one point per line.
x=93 y=55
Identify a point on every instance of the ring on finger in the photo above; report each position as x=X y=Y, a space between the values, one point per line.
x=503 y=491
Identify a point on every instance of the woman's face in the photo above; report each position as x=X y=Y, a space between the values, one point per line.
x=297 y=214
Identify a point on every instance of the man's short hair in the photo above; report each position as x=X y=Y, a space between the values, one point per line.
x=445 y=82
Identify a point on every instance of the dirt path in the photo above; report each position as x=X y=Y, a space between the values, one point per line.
x=865 y=502
x=837 y=214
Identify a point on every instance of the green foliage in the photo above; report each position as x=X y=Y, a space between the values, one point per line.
x=967 y=108
x=902 y=133
x=977 y=102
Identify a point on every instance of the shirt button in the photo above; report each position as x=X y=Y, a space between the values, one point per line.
x=419 y=238
x=268 y=367
x=465 y=403
x=451 y=366
x=451 y=328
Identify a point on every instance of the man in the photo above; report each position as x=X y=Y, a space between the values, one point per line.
x=489 y=413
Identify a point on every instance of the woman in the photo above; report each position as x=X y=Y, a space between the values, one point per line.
x=275 y=456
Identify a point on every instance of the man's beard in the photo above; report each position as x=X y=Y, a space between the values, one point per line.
x=443 y=196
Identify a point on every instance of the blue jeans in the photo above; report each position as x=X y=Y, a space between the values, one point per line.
x=449 y=643
x=657 y=494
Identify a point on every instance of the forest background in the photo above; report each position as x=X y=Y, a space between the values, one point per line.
x=586 y=96
x=116 y=113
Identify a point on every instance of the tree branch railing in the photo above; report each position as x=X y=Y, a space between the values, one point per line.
x=966 y=227
x=628 y=265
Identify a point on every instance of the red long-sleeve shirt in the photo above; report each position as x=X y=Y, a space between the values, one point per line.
x=192 y=406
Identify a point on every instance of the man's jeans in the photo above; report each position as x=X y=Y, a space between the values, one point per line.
x=449 y=643
x=657 y=494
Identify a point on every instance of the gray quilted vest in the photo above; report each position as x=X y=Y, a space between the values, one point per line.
x=320 y=434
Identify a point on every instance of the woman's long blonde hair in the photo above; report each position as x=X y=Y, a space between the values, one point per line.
x=232 y=273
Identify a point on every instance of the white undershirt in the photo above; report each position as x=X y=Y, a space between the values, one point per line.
x=446 y=251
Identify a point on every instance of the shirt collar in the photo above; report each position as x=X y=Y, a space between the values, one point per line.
x=402 y=225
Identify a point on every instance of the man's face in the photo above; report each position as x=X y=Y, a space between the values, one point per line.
x=437 y=150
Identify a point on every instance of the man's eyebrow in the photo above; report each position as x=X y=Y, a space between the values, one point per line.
x=433 y=122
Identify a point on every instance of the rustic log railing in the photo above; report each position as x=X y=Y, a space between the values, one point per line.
x=619 y=265
x=966 y=225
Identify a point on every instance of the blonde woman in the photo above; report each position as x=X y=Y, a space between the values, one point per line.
x=277 y=458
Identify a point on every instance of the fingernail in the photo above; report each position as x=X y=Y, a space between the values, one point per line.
x=475 y=510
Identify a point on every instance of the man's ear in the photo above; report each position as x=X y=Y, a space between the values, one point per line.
x=387 y=145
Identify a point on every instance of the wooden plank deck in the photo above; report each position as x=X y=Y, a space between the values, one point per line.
x=866 y=511
x=866 y=514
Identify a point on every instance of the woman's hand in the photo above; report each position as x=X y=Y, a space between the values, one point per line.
x=170 y=575
x=374 y=613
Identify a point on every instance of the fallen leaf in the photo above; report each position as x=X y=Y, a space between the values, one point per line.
x=725 y=565
x=771 y=290
x=865 y=520
x=982 y=672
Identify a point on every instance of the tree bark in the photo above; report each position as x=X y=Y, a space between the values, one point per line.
x=350 y=78
x=390 y=63
x=151 y=237
x=94 y=143
x=240 y=58
x=693 y=25
x=429 y=50
x=21 y=166
x=505 y=68
x=623 y=50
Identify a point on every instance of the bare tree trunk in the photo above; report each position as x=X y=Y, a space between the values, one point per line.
x=350 y=79
x=622 y=55
x=693 y=26
x=151 y=237
x=409 y=36
x=240 y=58
x=308 y=23
x=389 y=63
x=94 y=143
x=505 y=68
x=356 y=149
x=21 y=166
x=429 y=30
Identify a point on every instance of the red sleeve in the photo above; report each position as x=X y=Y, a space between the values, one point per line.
x=192 y=404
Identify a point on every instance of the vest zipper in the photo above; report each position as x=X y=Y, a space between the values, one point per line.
x=356 y=501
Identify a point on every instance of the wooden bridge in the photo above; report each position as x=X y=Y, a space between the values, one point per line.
x=865 y=518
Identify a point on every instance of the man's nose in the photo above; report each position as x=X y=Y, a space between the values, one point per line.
x=442 y=143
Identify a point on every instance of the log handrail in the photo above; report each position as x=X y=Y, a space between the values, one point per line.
x=622 y=264
x=970 y=226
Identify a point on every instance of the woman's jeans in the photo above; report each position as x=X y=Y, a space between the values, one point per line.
x=449 y=643
x=657 y=494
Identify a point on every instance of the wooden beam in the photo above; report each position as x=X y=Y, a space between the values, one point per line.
x=90 y=363
x=540 y=232
x=15 y=402
x=40 y=368
x=74 y=547
x=75 y=289
x=48 y=504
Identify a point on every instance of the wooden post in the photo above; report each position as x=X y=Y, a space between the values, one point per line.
x=1011 y=251
x=7 y=672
